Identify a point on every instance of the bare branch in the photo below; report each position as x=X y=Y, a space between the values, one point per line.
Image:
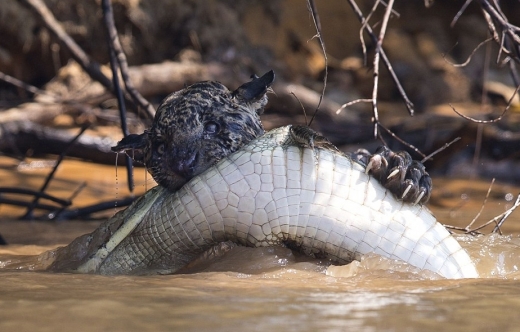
x=352 y=103
x=364 y=24
x=506 y=214
x=115 y=45
x=510 y=40
x=459 y=13
x=118 y=57
x=27 y=87
x=30 y=208
x=317 y=25
x=442 y=148
x=40 y=194
x=498 y=220
x=468 y=227
x=301 y=104
x=410 y=146
x=492 y=120
x=409 y=105
x=465 y=63
x=377 y=55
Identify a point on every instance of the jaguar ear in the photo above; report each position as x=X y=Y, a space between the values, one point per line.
x=133 y=145
x=255 y=90
x=132 y=141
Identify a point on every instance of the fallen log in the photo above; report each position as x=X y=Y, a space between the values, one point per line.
x=18 y=137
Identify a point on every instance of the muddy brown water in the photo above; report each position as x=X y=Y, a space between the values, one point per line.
x=262 y=289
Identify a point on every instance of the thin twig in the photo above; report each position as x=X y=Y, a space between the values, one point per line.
x=56 y=214
x=461 y=229
x=468 y=227
x=492 y=120
x=442 y=148
x=364 y=24
x=383 y=141
x=21 y=191
x=459 y=13
x=73 y=213
x=377 y=55
x=506 y=214
x=350 y=103
x=465 y=63
x=493 y=221
x=410 y=146
x=27 y=87
x=501 y=48
x=118 y=92
x=317 y=25
x=498 y=221
x=112 y=41
x=409 y=105
x=29 y=212
x=495 y=17
x=301 y=105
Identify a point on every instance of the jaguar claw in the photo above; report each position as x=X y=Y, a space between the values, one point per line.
x=421 y=195
x=398 y=172
x=370 y=165
x=375 y=163
x=393 y=173
x=406 y=192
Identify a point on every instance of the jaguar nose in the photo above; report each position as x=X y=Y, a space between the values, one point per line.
x=184 y=165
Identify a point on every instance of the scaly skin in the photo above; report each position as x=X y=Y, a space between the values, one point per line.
x=276 y=190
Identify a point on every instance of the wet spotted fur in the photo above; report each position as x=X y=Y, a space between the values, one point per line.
x=197 y=126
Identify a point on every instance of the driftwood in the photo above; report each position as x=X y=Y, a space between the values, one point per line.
x=167 y=77
x=17 y=137
x=287 y=105
x=34 y=112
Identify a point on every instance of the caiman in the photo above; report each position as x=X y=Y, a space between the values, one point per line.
x=221 y=178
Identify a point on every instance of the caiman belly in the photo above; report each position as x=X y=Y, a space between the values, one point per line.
x=275 y=192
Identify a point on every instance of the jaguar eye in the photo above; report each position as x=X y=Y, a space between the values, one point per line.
x=160 y=149
x=211 y=128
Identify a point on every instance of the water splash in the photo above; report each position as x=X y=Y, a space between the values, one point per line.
x=496 y=256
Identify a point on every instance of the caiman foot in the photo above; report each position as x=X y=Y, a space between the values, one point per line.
x=307 y=137
x=407 y=179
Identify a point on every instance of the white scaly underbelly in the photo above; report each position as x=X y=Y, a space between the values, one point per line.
x=270 y=193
